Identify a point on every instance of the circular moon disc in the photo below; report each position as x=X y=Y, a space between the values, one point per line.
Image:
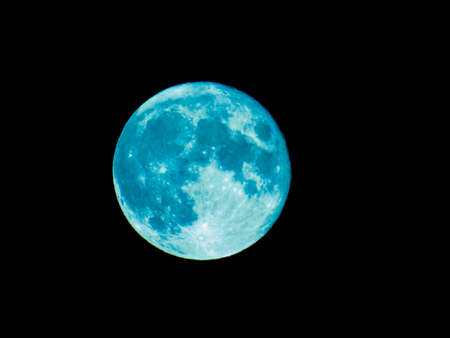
x=201 y=171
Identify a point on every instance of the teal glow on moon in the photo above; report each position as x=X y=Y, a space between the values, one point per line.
x=201 y=171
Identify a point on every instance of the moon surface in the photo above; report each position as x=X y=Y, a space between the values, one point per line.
x=201 y=171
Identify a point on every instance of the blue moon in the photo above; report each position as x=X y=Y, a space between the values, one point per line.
x=201 y=171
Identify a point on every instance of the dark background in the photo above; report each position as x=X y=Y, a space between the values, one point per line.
x=335 y=79
x=322 y=87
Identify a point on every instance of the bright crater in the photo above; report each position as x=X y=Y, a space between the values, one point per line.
x=201 y=171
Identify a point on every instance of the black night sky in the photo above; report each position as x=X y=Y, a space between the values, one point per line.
x=324 y=244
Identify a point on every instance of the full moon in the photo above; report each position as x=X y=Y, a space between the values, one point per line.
x=201 y=171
